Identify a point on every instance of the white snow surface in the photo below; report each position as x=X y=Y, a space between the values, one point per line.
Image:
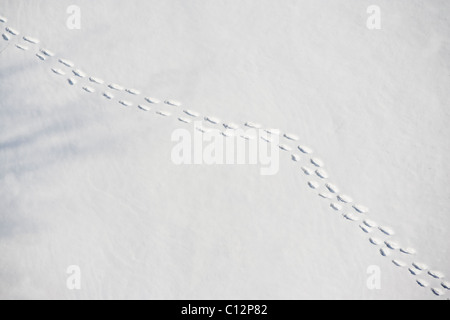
x=86 y=181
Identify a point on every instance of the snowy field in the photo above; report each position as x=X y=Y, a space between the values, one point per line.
x=90 y=195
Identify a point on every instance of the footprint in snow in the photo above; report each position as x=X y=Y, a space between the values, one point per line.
x=228 y=133
x=231 y=126
x=66 y=63
x=422 y=283
x=332 y=188
x=58 y=71
x=313 y=184
x=420 y=266
x=410 y=251
x=392 y=245
x=296 y=158
x=41 y=57
x=446 y=285
x=3 y=19
x=436 y=274
x=21 y=47
x=47 y=52
x=133 y=92
x=125 y=103
x=276 y=132
x=213 y=120
x=365 y=229
x=415 y=272
x=108 y=95
x=12 y=31
x=247 y=137
x=267 y=139
x=317 y=162
x=351 y=217
x=399 y=263
x=292 y=137
x=184 y=120
x=370 y=223
x=79 y=73
x=144 y=107
x=5 y=37
x=116 y=87
x=163 y=113
x=375 y=241
x=322 y=174
x=253 y=125
x=96 y=80
x=173 y=103
x=31 y=40
x=361 y=209
x=71 y=81
x=326 y=195
x=305 y=149
x=89 y=89
x=307 y=171
x=285 y=147
x=192 y=113
x=387 y=231
x=152 y=100
x=438 y=292
x=344 y=198
x=336 y=206
x=385 y=252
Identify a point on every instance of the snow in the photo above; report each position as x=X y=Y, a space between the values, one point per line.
x=87 y=182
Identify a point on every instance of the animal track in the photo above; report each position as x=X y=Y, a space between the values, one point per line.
x=192 y=113
x=22 y=47
x=144 y=108
x=58 y=71
x=79 y=73
x=285 y=147
x=322 y=174
x=96 y=80
x=31 y=40
x=253 y=125
x=173 y=103
x=116 y=87
x=133 y=92
x=12 y=31
x=67 y=63
x=361 y=209
x=344 y=198
x=292 y=137
x=47 y=53
x=366 y=226
x=125 y=103
x=305 y=150
x=387 y=231
x=213 y=120
x=317 y=162
x=40 y=56
x=422 y=283
x=152 y=100
x=399 y=263
x=108 y=95
x=89 y=89
x=436 y=274
x=332 y=188
x=420 y=266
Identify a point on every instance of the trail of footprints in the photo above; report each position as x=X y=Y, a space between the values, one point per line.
x=313 y=167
